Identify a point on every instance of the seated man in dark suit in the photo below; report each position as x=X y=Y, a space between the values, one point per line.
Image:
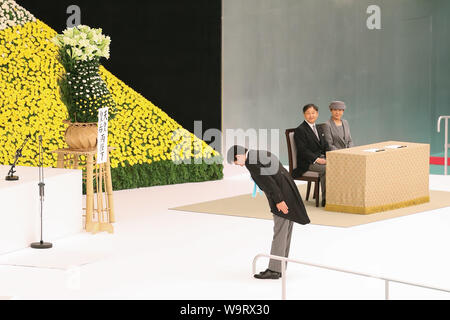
x=311 y=147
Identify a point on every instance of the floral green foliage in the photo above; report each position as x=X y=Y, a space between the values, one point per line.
x=83 y=91
x=162 y=173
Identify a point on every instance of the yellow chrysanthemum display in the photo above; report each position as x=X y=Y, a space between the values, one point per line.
x=30 y=104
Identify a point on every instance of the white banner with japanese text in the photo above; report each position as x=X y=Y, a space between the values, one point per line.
x=102 y=138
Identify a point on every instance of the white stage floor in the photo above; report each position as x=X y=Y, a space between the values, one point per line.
x=156 y=253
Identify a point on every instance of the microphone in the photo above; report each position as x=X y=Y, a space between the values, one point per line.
x=19 y=151
x=11 y=176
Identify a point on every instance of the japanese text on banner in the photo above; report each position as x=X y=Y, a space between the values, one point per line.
x=102 y=138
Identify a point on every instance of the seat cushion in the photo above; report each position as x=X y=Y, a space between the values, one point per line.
x=311 y=174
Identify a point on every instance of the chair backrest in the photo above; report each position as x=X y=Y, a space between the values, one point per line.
x=292 y=150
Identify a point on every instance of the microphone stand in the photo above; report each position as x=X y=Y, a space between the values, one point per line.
x=11 y=176
x=41 y=244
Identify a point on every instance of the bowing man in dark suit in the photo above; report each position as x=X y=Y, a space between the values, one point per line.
x=284 y=200
x=311 y=147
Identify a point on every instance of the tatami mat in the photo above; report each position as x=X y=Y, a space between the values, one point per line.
x=247 y=206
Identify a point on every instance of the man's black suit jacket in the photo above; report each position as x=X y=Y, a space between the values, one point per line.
x=277 y=184
x=309 y=148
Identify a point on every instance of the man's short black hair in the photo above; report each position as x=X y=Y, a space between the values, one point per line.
x=310 y=105
x=234 y=151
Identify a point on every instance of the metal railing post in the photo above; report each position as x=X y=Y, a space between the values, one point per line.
x=446 y=145
x=283 y=279
x=386 y=289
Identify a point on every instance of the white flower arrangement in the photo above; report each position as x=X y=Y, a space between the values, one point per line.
x=11 y=14
x=82 y=89
x=83 y=43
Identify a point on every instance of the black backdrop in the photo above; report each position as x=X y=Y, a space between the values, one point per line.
x=167 y=50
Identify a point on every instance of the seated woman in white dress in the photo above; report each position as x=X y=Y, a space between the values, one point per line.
x=336 y=130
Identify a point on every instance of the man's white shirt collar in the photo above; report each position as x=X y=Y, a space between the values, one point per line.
x=311 y=125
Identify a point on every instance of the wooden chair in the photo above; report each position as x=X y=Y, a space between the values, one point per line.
x=309 y=176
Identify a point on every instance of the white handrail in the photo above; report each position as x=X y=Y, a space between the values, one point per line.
x=283 y=274
x=446 y=145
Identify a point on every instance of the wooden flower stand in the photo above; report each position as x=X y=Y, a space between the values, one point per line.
x=99 y=202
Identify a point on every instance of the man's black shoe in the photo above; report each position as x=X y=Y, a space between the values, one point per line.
x=323 y=203
x=268 y=274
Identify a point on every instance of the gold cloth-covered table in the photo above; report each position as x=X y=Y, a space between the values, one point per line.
x=360 y=180
x=99 y=191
